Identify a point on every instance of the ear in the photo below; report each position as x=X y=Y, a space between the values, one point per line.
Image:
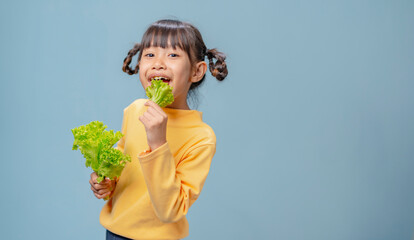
x=199 y=70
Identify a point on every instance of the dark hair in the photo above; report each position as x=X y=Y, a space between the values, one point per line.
x=174 y=33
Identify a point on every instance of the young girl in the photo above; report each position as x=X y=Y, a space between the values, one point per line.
x=171 y=148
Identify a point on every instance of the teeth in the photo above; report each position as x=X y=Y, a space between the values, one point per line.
x=160 y=78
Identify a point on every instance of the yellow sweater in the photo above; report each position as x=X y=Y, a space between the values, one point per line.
x=157 y=188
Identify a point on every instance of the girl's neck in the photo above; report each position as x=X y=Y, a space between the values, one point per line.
x=178 y=105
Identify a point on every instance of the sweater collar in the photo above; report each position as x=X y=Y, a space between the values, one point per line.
x=182 y=116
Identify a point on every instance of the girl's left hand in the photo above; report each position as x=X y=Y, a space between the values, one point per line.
x=155 y=123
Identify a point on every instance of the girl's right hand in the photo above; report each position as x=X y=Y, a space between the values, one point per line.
x=104 y=189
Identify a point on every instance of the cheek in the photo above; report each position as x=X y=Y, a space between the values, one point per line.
x=143 y=80
x=185 y=72
x=141 y=70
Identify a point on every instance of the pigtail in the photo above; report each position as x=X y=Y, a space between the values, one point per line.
x=128 y=60
x=219 y=68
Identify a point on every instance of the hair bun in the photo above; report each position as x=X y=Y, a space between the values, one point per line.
x=219 y=68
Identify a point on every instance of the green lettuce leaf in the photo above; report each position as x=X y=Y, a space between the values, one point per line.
x=160 y=93
x=95 y=144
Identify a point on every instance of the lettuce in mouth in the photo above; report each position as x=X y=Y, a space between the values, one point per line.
x=160 y=93
x=95 y=143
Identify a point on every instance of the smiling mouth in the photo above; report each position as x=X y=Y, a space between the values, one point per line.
x=164 y=79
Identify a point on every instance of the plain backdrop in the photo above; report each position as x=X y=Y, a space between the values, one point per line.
x=314 y=124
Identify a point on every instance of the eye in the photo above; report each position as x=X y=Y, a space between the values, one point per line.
x=149 y=55
x=173 y=55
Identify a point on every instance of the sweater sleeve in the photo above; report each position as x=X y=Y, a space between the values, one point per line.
x=173 y=189
x=121 y=143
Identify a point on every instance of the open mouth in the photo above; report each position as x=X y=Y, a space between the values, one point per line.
x=164 y=79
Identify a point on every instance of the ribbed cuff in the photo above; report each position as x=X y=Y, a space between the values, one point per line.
x=147 y=155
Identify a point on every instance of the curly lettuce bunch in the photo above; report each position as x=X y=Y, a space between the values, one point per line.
x=95 y=143
x=160 y=93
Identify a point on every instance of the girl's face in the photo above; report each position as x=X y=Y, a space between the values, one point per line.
x=174 y=66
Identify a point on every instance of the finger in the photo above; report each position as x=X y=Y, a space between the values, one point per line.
x=144 y=120
x=150 y=114
x=110 y=182
x=154 y=117
x=101 y=194
x=150 y=103
x=90 y=182
x=106 y=194
x=153 y=113
x=95 y=181
x=101 y=185
x=103 y=191
x=156 y=110
x=98 y=196
x=153 y=105
x=95 y=184
x=94 y=176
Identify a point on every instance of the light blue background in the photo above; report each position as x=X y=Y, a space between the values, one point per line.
x=314 y=122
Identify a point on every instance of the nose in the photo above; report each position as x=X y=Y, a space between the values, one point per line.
x=158 y=63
